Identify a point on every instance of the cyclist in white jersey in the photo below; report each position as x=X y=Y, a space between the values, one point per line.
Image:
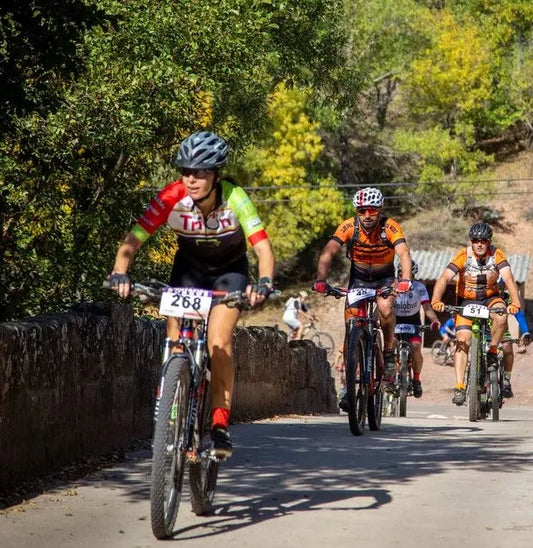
x=407 y=311
x=296 y=307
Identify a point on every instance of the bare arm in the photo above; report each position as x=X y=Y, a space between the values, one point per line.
x=405 y=259
x=265 y=269
x=440 y=285
x=265 y=256
x=430 y=313
x=125 y=254
x=324 y=261
x=508 y=278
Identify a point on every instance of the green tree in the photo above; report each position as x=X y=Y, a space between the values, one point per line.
x=78 y=149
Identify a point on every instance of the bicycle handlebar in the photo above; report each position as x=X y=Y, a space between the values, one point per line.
x=339 y=292
x=497 y=309
x=153 y=289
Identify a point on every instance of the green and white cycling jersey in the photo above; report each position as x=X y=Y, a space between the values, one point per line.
x=208 y=243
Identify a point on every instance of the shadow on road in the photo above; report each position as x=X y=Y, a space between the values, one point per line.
x=280 y=469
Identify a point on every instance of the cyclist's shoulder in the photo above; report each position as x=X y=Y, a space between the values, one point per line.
x=498 y=254
x=174 y=190
x=460 y=257
x=346 y=229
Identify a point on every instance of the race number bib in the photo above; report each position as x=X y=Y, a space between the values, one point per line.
x=475 y=311
x=405 y=328
x=186 y=302
x=359 y=294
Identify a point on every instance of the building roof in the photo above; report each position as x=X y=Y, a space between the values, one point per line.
x=432 y=263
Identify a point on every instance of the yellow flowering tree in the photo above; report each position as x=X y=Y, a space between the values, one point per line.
x=296 y=202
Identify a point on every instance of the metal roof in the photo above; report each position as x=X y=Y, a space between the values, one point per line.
x=432 y=263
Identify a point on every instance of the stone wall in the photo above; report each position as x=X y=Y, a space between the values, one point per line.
x=82 y=383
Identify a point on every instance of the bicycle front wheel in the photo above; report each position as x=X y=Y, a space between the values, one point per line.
x=494 y=383
x=438 y=352
x=203 y=472
x=472 y=389
x=169 y=446
x=403 y=381
x=375 y=396
x=356 y=389
x=325 y=341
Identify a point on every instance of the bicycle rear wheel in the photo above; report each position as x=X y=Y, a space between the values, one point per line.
x=375 y=395
x=203 y=472
x=325 y=341
x=356 y=389
x=169 y=446
x=403 y=380
x=474 y=410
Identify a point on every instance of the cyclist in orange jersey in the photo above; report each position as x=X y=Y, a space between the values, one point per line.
x=372 y=241
x=478 y=267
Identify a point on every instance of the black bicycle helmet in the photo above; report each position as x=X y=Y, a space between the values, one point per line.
x=202 y=150
x=481 y=231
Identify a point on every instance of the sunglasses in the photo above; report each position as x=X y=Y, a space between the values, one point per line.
x=198 y=173
x=480 y=241
x=369 y=210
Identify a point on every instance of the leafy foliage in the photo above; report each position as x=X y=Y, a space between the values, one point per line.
x=296 y=202
x=105 y=112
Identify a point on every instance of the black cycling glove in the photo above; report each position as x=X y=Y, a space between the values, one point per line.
x=263 y=286
x=115 y=279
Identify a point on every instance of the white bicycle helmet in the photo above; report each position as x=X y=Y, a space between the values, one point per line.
x=368 y=197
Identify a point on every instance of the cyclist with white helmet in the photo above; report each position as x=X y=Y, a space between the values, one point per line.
x=372 y=241
x=214 y=221
x=296 y=307
x=407 y=310
x=478 y=267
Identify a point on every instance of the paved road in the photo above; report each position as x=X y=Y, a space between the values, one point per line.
x=432 y=479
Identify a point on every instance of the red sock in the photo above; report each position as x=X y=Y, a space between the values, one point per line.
x=416 y=376
x=220 y=417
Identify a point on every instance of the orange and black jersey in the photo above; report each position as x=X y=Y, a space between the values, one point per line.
x=478 y=278
x=372 y=254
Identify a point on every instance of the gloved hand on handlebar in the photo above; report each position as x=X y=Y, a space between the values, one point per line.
x=513 y=309
x=438 y=306
x=320 y=286
x=120 y=282
x=260 y=291
x=403 y=286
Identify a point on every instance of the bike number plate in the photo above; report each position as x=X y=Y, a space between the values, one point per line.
x=475 y=311
x=186 y=302
x=360 y=294
x=405 y=328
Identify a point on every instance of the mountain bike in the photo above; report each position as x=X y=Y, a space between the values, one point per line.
x=484 y=384
x=395 y=399
x=182 y=414
x=364 y=358
x=320 y=338
x=442 y=353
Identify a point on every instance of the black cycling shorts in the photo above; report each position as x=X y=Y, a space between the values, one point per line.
x=234 y=278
